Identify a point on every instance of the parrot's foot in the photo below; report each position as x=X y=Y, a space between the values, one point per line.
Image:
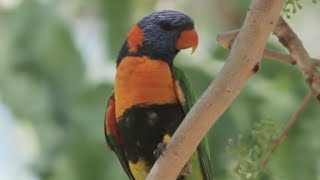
x=159 y=151
x=186 y=170
x=160 y=148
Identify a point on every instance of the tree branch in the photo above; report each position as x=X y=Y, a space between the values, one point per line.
x=243 y=61
x=286 y=130
x=291 y=41
x=226 y=39
x=308 y=66
x=299 y=56
x=316 y=62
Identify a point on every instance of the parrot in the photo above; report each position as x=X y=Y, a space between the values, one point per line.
x=151 y=96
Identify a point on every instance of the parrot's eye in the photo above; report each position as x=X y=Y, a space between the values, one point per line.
x=166 y=26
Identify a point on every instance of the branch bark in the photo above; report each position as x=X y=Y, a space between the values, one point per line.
x=243 y=61
x=291 y=41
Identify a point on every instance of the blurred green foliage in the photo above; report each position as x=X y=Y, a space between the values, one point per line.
x=43 y=81
x=292 y=6
x=253 y=149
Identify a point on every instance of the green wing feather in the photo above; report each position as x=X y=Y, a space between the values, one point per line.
x=200 y=161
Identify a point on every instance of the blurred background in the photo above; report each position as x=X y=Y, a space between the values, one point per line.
x=57 y=63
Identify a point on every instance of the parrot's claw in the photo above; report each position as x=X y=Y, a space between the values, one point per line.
x=160 y=148
x=159 y=151
x=186 y=170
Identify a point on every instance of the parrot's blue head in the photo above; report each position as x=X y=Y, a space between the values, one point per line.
x=160 y=36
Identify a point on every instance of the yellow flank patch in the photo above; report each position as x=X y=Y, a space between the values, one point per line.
x=166 y=138
x=140 y=80
x=139 y=169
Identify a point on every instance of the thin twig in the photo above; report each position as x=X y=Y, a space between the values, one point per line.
x=291 y=41
x=226 y=39
x=282 y=57
x=286 y=130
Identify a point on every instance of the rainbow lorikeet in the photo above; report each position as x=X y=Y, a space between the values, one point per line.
x=151 y=96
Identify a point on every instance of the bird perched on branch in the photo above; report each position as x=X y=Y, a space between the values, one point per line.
x=151 y=96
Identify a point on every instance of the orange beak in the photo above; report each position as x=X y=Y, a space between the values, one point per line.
x=188 y=39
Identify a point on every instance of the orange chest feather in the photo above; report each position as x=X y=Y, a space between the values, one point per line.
x=140 y=80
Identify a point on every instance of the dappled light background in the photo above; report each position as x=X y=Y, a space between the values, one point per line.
x=57 y=63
